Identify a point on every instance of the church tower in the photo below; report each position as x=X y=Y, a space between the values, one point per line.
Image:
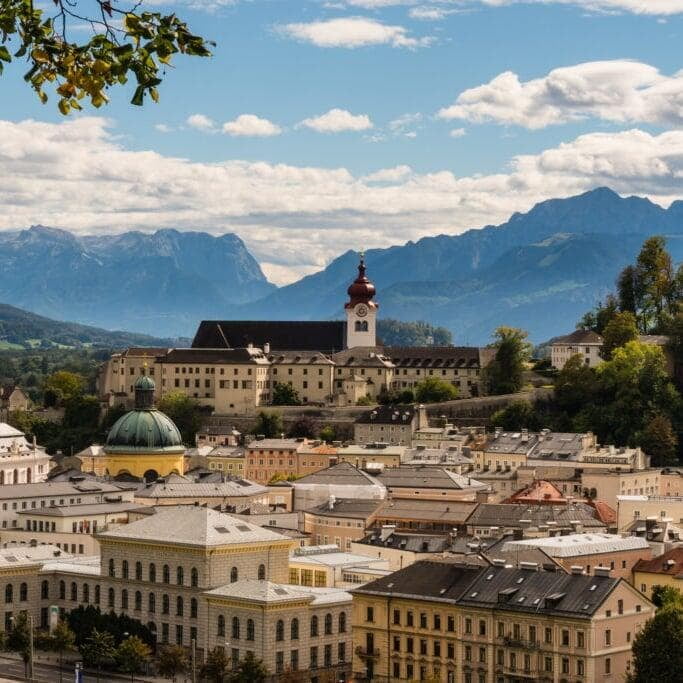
x=361 y=311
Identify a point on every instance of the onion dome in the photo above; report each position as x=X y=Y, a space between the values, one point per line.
x=361 y=289
x=144 y=429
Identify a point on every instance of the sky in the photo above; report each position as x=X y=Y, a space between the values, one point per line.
x=318 y=127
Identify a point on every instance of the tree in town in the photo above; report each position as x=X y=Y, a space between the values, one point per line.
x=435 y=390
x=303 y=427
x=216 y=669
x=186 y=413
x=393 y=397
x=249 y=670
x=61 y=386
x=658 y=647
x=401 y=333
x=666 y=595
x=620 y=330
x=19 y=638
x=268 y=424
x=99 y=651
x=576 y=385
x=63 y=640
x=132 y=655
x=515 y=416
x=171 y=661
x=627 y=290
x=328 y=434
x=119 y=42
x=285 y=395
x=598 y=318
x=504 y=374
x=659 y=441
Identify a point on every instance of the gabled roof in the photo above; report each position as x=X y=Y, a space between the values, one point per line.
x=512 y=515
x=191 y=525
x=240 y=355
x=423 y=477
x=670 y=564
x=579 y=337
x=413 y=509
x=433 y=356
x=269 y=592
x=308 y=335
x=354 y=508
x=574 y=545
x=392 y=415
x=341 y=474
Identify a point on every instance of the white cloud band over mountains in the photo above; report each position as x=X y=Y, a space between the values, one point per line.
x=79 y=175
x=621 y=91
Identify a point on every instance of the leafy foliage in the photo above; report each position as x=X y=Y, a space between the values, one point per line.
x=391 y=397
x=249 y=670
x=620 y=330
x=666 y=595
x=285 y=395
x=187 y=414
x=435 y=390
x=99 y=649
x=303 y=427
x=217 y=666
x=142 y=46
x=172 y=660
x=84 y=621
x=504 y=374
x=398 y=333
x=268 y=424
x=132 y=655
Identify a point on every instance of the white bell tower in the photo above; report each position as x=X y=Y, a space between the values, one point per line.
x=361 y=311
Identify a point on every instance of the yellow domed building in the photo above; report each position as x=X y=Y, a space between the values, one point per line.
x=144 y=442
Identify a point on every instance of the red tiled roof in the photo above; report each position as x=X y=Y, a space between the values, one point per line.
x=670 y=563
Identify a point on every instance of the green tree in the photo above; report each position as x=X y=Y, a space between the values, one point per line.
x=216 y=669
x=400 y=333
x=119 y=43
x=576 y=385
x=659 y=441
x=99 y=651
x=132 y=655
x=63 y=385
x=19 y=638
x=666 y=595
x=655 y=285
x=517 y=415
x=658 y=648
x=303 y=427
x=626 y=290
x=504 y=374
x=268 y=424
x=249 y=670
x=171 y=661
x=63 y=640
x=435 y=390
x=328 y=434
x=598 y=318
x=621 y=329
x=186 y=412
x=285 y=395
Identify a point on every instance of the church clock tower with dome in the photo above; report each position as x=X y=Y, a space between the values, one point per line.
x=361 y=311
x=144 y=442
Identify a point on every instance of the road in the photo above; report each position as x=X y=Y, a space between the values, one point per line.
x=50 y=674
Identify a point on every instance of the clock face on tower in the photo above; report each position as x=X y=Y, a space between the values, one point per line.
x=361 y=310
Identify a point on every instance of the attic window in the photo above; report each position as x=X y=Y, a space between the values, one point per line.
x=585 y=606
x=222 y=530
x=593 y=587
x=243 y=527
x=280 y=591
x=489 y=577
x=474 y=595
x=537 y=600
x=520 y=579
x=521 y=599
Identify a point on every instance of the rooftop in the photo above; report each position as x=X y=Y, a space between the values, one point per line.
x=341 y=474
x=209 y=356
x=448 y=512
x=670 y=563
x=358 y=508
x=191 y=525
x=510 y=442
x=173 y=488
x=328 y=556
x=573 y=545
x=521 y=516
x=391 y=415
x=55 y=488
x=423 y=477
x=269 y=592
x=409 y=542
x=16 y=555
x=579 y=337
x=276 y=444
x=80 y=510
x=433 y=356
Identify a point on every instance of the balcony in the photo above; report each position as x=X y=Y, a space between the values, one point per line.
x=365 y=653
x=519 y=643
x=518 y=672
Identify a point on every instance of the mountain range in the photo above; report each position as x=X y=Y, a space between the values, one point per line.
x=540 y=270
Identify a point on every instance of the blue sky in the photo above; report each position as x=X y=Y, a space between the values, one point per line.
x=413 y=100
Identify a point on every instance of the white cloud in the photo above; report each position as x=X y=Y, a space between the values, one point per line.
x=296 y=218
x=457 y=133
x=250 y=125
x=619 y=90
x=163 y=128
x=653 y=7
x=406 y=125
x=430 y=13
x=352 y=32
x=201 y=122
x=337 y=121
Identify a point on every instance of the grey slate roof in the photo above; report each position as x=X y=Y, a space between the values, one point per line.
x=55 y=488
x=202 y=489
x=341 y=474
x=423 y=477
x=510 y=515
x=392 y=415
x=579 y=337
x=80 y=510
x=414 y=543
x=451 y=512
x=346 y=507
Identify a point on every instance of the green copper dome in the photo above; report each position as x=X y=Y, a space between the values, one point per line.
x=144 y=429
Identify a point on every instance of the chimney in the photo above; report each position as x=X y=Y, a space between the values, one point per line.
x=576 y=570
x=332 y=500
x=602 y=571
x=266 y=348
x=530 y=566
x=482 y=495
x=386 y=531
x=577 y=527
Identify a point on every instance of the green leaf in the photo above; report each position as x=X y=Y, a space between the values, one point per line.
x=138 y=97
x=4 y=54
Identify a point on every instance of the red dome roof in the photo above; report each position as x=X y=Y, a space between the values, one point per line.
x=361 y=289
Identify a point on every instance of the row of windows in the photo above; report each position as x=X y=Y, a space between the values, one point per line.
x=314 y=661
x=44 y=503
x=314 y=627
x=166 y=573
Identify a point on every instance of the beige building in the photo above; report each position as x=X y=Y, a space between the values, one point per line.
x=606 y=485
x=630 y=508
x=21 y=462
x=339 y=521
x=389 y=424
x=452 y=622
x=665 y=570
x=584 y=343
x=12 y=399
x=371 y=455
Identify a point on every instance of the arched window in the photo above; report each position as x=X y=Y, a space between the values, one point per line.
x=62 y=590
x=74 y=592
x=364 y=326
x=342 y=622
x=357 y=326
x=180 y=576
x=221 y=625
x=165 y=604
x=294 y=635
x=45 y=590
x=152 y=572
x=138 y=571
x=124 y=569
x=193 y=608
x=179 y=606
x=262 y=572
x=280 y=630
x=138 y=600
x=233 y=575
x=16 y=476
x=86 y=593
x=194 y=577
x=166 y=574
x=23 y=592
x=112 y=572
x=110 y=598
x=124 y=599
x=152 y=603
x=314 y=626
x=250 y=629
x=97 y=593
x=328 y=624
x=235 y=628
